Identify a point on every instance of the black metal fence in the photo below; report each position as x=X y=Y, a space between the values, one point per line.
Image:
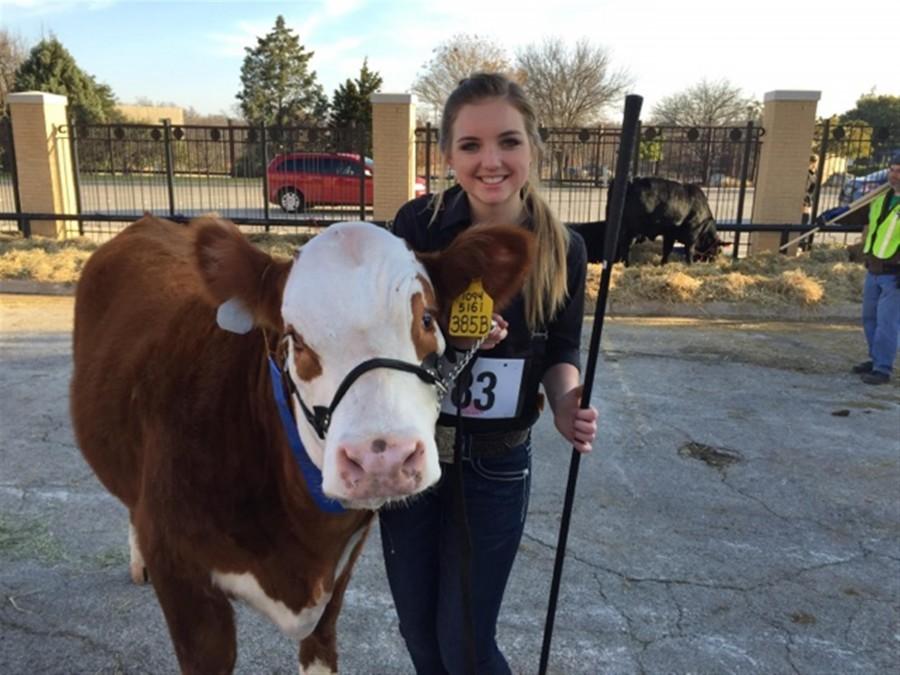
x=244 y=173
x=270 y=176
x=577 y=166
x=9 y=194
x=850 y=160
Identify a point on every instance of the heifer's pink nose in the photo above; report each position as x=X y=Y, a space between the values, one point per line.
x=395 y=465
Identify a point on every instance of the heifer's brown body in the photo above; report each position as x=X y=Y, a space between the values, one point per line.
x=178 y=420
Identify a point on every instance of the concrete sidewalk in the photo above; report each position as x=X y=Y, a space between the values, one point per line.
x=740 y=515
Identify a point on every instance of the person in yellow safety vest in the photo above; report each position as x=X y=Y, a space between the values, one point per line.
x=881 y=292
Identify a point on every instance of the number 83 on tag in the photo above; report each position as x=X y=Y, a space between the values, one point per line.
x=470 y=314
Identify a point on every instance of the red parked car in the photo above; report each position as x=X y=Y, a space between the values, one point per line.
x=300 y=180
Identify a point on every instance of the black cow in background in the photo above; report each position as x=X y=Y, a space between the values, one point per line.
x=658 y=206
x=594 y=235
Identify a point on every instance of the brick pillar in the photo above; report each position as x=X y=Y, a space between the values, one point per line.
x=393 y=152
x=789 y=118
x=43 y=160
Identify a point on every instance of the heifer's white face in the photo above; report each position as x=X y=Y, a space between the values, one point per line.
x=356 y=292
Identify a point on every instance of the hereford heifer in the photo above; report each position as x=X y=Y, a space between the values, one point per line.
x=182 y=338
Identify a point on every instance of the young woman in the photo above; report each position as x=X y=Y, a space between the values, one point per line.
x=489 y=137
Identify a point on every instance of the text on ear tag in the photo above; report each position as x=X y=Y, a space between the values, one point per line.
x=234 y=317
x=470 y=314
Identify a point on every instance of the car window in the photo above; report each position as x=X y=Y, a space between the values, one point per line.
x=332 y=166
x=292 y=166
x=344 y=167
x=323 y=165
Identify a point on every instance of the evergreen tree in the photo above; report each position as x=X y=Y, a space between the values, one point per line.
x=51 y=68
x=278 y=87
x=351 y=102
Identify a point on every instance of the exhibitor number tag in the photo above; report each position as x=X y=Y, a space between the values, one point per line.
x=470 y=315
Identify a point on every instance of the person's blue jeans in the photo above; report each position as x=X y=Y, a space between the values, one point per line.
x=881 y=319
x=421 y=544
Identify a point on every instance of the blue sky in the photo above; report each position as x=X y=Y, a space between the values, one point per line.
x=190 y=53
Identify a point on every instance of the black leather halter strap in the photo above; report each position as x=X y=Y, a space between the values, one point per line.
x=320 y=416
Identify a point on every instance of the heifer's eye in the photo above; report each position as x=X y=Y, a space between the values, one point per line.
x=427 y=322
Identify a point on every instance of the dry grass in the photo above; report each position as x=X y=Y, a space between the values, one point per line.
x=42 y=259
x=279 y=245
x=822 y=276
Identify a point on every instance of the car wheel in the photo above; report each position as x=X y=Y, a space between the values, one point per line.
x=291 y=201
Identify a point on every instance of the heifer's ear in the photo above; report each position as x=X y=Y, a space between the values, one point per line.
x=234 y=269
x=500 y=255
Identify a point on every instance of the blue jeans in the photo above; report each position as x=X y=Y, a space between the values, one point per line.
x=881 y=319
x=422 y=556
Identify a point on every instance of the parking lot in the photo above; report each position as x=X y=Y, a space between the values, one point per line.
x=740 y=514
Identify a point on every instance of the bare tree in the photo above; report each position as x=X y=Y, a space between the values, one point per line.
x=706 y=104
x=13 y=53
x=570 y=87
x=454 y=60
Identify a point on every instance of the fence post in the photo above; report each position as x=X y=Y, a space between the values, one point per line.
x=362 y=145
x=76 y=172
x=43 y=160
x=170 y=178
x=636 y=163
x=264 y=153
x=745 y=170
x=820 y=172
x=11 y=162
x=231 y=164
x=394 y=152
x=428 y=157
x=789 y=120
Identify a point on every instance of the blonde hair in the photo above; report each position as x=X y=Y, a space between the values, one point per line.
x=545 y=289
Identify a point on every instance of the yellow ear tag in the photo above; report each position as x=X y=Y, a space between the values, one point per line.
x=470 y=315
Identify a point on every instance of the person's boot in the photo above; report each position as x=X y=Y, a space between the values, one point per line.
x=864 y=367
x=875 y=377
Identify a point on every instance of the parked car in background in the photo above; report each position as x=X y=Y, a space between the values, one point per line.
x=300 y=180
x=857 y=187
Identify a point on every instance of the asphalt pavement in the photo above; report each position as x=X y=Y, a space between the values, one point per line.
x=740 y=514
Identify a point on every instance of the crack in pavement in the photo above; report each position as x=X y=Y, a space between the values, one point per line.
x=628 y=622
x=788 y=576
x=51 y=633
x=713 y=358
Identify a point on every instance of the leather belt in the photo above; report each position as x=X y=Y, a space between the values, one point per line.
x=493 y=444
x=497 y=443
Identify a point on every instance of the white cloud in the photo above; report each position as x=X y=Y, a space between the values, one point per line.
x=666 y=47
x=246 y=33
x=233 y=43
x=339 y=8
x=332 y=51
